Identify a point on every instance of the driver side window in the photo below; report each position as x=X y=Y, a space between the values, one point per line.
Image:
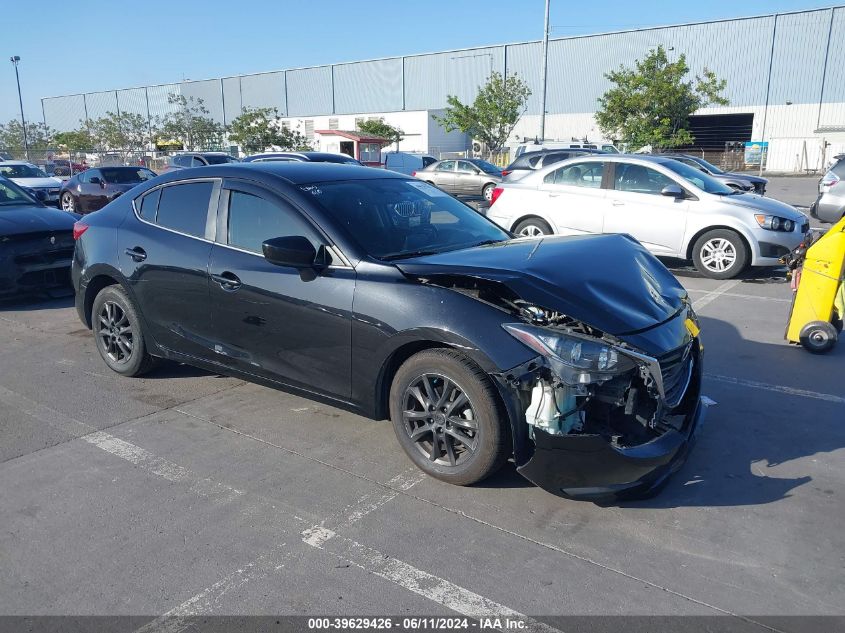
x=465 y=168
x=253 y=219
x=577 y=175
x=640 y=179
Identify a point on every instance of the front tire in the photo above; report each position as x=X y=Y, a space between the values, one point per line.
x=68 y=202
x=720 y=254
x=447 y=419
x=532 y=227
x=118 y=333
x=487 y=191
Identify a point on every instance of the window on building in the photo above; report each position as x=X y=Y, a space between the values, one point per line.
x=333 y=124
x=309 y=129
x=358 y=121
x=369 y=152
x=286 y=125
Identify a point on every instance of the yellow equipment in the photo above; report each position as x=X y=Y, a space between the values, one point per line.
x=819 y=302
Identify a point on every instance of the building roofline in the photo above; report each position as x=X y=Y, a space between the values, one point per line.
x=461 y=50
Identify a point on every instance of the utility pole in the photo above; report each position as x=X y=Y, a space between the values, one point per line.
x=545 y=73
x=15 y=59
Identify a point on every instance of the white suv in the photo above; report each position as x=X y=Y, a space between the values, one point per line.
x=673 y=209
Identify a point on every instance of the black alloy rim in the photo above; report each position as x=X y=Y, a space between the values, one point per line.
x=115 y=332
x=440 y=419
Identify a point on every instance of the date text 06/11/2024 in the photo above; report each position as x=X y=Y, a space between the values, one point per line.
x=417 y=623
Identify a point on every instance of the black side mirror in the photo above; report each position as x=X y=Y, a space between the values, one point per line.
x=294 y=251
x=673 y=191
x=95 y=181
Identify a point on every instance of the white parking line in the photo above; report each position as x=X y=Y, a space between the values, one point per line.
x=206 y=601
x=792 y=391
x=737 y=295
x=715 y=294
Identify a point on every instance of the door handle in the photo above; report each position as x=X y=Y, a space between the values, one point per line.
x=618 y=203
x=227 y=280
x=137 y=253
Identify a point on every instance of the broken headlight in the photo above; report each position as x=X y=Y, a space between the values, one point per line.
x=575 y=359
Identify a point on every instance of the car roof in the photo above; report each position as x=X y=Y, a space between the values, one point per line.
x=295 y=173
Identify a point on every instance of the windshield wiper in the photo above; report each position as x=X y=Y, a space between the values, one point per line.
x=485 y=243
x=405 y=255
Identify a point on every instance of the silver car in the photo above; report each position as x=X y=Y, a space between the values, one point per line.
x=673 y=209
x=830 y=205
x=462 y=176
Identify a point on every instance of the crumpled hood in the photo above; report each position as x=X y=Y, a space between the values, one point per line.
x=761 y=204
x=38 y=183
x=20 y=220
x=609 y=281
x=745 y=176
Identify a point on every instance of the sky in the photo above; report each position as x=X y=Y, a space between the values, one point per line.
x=90 y=45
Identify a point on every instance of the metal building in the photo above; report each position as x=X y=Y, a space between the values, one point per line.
x=785 y=82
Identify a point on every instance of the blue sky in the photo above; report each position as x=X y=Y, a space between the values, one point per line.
x=87 y=45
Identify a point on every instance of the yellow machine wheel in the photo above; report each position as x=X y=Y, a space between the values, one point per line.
x=818 y=337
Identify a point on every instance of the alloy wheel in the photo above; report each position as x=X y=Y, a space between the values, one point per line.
x=114 y=332
x=440 y=419
x=718 y=254
x=67 y=203
x=531 y=230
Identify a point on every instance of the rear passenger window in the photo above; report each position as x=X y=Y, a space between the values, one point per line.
x=184 y=208
x=149 y=205
x=578 y=175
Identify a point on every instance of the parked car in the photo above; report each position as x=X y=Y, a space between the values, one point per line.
x=466 y=176
x=95 y=188
x=406 y=162
x=303 y=157
x=36 y=242
x=673 y=209
x=43 y=187
x=531 y=161
x=385 y=295
x=198 y=159
x=830 y=203
x=741 y=181
x=604 y=146
x=64 y=167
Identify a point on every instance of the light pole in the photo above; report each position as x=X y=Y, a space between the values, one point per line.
x=15 y=59
x=545 y=73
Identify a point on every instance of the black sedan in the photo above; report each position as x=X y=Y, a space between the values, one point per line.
x=383 y=294
x=95 y=188
x=36 y=242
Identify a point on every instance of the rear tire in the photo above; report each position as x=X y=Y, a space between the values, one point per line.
x=818 y=337
x=118 y=333
x=720 y=254
x=532 y=227
x=487 y=191
x=447 y=419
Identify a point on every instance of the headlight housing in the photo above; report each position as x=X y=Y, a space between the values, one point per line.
x=774 y=222
x=577 y=360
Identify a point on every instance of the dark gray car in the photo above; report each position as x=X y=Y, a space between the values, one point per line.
x=742 y=182
x=463 y=176
x=830 y=205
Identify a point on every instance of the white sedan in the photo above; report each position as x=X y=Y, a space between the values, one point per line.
x=674 y=210
x=31 y=177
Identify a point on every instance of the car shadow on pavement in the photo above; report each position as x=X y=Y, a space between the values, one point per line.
x=761 y=275
x=756 y=444
x=31 y=302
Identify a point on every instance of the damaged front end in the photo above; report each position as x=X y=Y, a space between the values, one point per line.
x=600 y=418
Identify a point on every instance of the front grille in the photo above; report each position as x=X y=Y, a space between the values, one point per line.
x=676 y=370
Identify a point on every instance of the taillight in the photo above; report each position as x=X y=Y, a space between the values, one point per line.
x=496 y=193
x=505 y=172
x=413 y=173
x=830 y=179
x=78 y=229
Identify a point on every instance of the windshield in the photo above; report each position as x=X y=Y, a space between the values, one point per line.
x=698 y=178
x=484 y=166
x=22 y=171
x=214 y=159
x=396 y=218
x=709 y=166
x=126 y=176
x=12 y=196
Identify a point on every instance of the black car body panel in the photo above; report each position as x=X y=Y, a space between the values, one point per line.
x=36 y=247
x=340 y=331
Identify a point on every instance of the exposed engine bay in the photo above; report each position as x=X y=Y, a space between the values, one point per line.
x=588 y=382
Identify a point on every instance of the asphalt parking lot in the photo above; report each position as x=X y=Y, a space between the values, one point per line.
x=186 y=494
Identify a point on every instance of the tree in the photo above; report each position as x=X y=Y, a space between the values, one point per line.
x=493 y=114
x=378 y=127
x=651 y=104
x=257 y=130
x=190 y=124
x=38 y=135
x=124 y=132
x=294 y=140
x=75 y=140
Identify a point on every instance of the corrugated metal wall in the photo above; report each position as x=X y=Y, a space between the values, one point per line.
x=769 y=59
